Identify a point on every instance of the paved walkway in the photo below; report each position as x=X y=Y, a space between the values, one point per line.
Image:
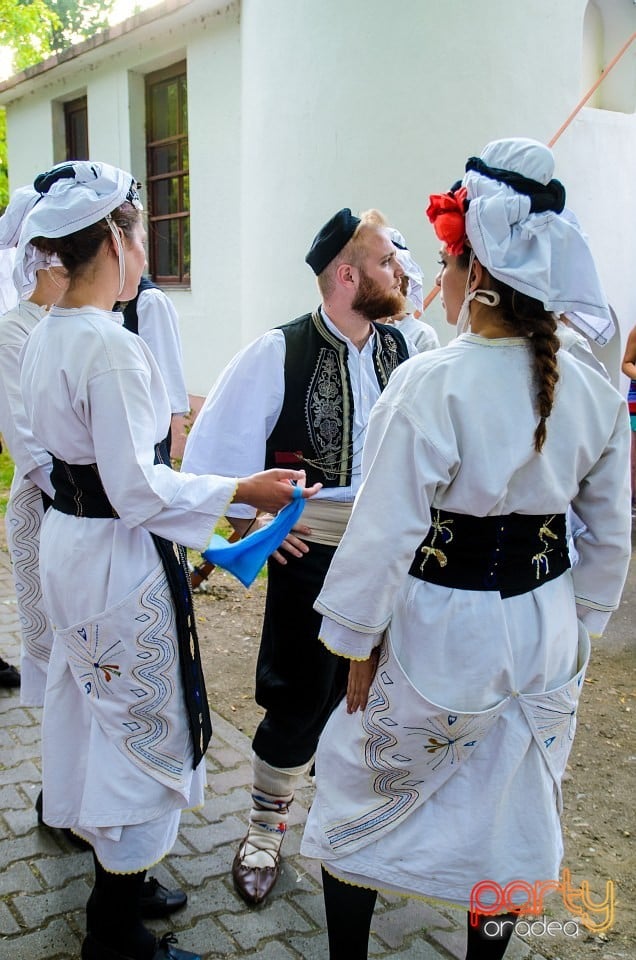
x=44 y=881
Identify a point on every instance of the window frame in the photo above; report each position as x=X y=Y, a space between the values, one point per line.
x=78 y=107
x=178 y=73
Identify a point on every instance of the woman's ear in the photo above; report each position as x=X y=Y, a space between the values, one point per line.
x=477 y=275
x=114 y=246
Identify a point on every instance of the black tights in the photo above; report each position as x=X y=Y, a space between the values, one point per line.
x=489 y=939
x=113 y=914
x=349 y=911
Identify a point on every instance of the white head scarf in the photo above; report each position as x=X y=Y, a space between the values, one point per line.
x=545 y=254
x=25 y=269
x=72 y=196
x=413 y=272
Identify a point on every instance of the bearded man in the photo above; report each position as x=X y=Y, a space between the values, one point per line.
x=301 y=396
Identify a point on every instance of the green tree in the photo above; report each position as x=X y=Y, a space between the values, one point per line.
x=33 y=29
x=26 y=29
x=77 y=19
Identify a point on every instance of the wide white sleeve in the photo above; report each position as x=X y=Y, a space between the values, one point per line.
x=425 y=338
x=230 y=433
x=8 y=293
x=28 y=456
x=159 y=328
x=391 y=516
x=603 y=503
x=178 y=506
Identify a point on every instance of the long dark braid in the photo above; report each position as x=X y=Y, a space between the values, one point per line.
x=527 y=318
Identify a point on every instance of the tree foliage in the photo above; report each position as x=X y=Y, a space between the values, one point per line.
x=32 y=30
x=77 y=19
x=26 y=28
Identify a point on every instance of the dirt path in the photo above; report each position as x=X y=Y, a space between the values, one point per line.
x=598 y=793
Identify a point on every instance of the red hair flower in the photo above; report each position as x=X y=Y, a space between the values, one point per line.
x=447 y=213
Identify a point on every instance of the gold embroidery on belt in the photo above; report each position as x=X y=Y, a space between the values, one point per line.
x=442 y=529
x=540 y=560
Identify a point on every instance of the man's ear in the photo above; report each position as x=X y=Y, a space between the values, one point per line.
x=346 y=274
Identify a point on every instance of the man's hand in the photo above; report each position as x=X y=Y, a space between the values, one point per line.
x=271 y=490
x=361 y=674
x=292 y=544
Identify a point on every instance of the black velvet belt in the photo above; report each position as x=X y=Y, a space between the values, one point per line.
x=79 y=493
x=513 y=553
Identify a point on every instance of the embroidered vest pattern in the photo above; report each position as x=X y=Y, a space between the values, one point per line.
x=314 y=429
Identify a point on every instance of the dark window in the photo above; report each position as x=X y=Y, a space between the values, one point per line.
x=168 y=180
x=76 y=127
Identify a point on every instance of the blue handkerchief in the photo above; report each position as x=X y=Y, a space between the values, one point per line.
x=246 y=557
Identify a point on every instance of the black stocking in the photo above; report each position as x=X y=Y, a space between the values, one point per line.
x=489 y=939
x=349 y=910
x=113 y=913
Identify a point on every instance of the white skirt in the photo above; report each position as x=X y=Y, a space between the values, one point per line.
x=452 y=774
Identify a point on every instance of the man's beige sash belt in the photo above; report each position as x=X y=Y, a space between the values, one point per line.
x=327 y=519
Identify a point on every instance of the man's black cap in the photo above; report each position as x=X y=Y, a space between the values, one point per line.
x=330 y=239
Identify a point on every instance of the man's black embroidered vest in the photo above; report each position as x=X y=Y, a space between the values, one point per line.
x=131 y=320
x=314 y=429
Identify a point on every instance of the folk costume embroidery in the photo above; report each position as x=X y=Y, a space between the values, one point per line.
x=130 y=688
x=24 y=518
x=315 y=426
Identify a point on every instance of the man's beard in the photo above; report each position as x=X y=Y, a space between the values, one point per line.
x=373 y=302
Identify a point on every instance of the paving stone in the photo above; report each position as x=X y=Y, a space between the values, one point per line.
x=34 y=908
x=8 y=923
x=56 y=941
x=19 y=878
x=224 y=731
x=215 y=807
x=208 y=938
x=419 y=950
x=312 y=905
x=226 y=781
x=6 y=739
x=310 y=948
x=15 y=716
x=28 y=736
x=275 y=950
x=212 y=835
x=25 y=770
x=412 y=916
x=195 y=870
x=249 y=928
x=32 y=845
x=10 y=798
x=21 y=821
x=228 y=757
x=293 y=879
x=214 y=897
x=452 y=940
x=57 y=871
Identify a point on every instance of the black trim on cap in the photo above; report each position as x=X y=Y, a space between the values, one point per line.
x=543 y=197
x=44 y=181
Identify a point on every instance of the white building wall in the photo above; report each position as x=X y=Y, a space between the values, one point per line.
x=379 y=105
x=210 y=314
x=299 y=107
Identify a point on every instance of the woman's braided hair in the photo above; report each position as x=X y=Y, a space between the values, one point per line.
x=527 y=317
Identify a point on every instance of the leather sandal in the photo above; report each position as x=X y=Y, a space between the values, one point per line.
x=254 y=884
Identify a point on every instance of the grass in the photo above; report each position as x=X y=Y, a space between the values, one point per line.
x=6 y=476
